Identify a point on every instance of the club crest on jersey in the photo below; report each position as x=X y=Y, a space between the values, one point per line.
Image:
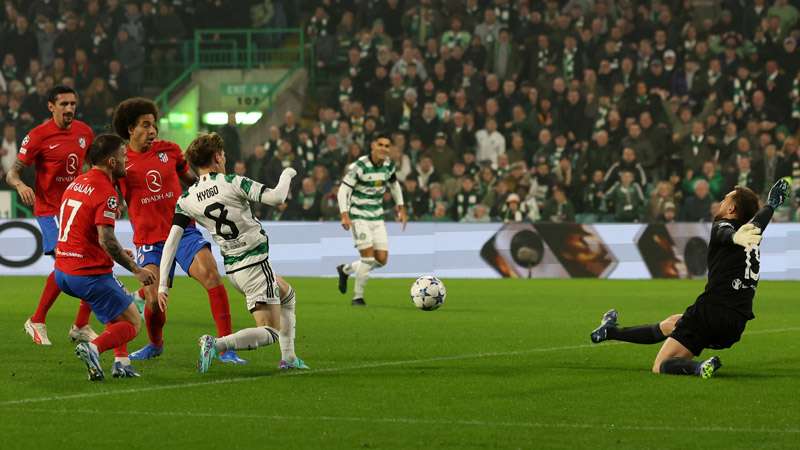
x=378 y=183
x=112 y=203
x=26 y=140
x=82 y=142
x=163 y=157
x=736 y=284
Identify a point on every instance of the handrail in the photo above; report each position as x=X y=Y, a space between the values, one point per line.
x=237 y=57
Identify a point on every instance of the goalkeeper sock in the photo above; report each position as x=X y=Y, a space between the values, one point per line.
x=288 y=321
x=247 y=339
x=362 y=274
x=679 y=366
x=644 y=334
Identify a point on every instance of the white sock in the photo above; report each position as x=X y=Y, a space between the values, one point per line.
x=124 y=360
x=362 y=273
x=351 y=268
x=288 y=321
x=247 y=339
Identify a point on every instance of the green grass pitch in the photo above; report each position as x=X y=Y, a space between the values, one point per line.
x=504 y=364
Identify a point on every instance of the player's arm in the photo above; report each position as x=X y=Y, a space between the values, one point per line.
x=14 y=180
x=777 y=195
x=112 y=246
x=397 y=195
x=179 y=223
x=345 y=191
x=277 y=195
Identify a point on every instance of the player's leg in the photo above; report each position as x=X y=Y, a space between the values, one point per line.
x=677 y=352
x=260 y=288
x=35 y=325
x=149 y=256
x=362 y=240
x=112 y=306
x=610 y=330
x=194 y=256
x=289 y=359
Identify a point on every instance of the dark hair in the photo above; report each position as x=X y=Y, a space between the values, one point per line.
x=381 y=135
x=202 y=150
x=128 y=112
x=103 y=147
x=58 y=90
x=746 y=203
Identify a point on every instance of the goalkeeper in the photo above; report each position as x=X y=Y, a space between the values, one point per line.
x=718 y=317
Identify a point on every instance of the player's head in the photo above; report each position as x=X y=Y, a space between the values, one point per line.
x=108 y=151
x=207 y=153
x=136 y=119
x=741 y=204
x=62 y=102
x=380 y=146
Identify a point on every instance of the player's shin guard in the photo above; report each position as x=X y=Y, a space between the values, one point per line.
x=220 y=309
x=679 y=366
x=644 y=334
x=155 y=319
x=84 y=311
x=247 y=339
x=115 y=335
x=362 y=273
x=288 y=321
x=46 y=300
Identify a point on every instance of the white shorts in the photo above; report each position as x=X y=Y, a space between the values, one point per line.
x=370 y=233
x=258 y=284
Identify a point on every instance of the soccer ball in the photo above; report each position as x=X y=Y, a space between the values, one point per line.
x=428 y=293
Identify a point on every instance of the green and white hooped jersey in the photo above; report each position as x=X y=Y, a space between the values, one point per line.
x=369 y=183
x=221 y=204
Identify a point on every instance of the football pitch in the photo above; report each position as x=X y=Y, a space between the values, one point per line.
x=503 y=364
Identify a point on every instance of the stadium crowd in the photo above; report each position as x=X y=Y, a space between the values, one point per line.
x=499 y=110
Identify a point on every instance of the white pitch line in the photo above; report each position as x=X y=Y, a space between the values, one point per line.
x=413 y=421
x=332 y=369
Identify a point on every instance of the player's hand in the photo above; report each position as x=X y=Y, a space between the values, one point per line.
x=145 y=276
x=747 y=236
x=26 y=193
x=346 y=221
x=130 y=253
x=162 y=301
x=402 y=216
x=289 y=172
x=778 y=193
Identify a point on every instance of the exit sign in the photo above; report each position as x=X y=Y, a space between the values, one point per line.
x=245 y=89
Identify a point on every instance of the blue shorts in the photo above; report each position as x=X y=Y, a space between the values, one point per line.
x=104 y=293
x=191 y=243
x=49 y=228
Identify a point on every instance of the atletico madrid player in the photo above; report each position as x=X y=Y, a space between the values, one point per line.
x=151 y=187
x=87 y=249
x=56 y=149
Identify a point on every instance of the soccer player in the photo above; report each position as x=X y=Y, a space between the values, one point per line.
x=87 y=249
x=718 y=317
x=361 y=208
x=56 y=149
x=221 y=204
x=151 y=187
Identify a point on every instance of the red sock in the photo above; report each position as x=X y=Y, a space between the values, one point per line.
x=121 y=351
x=82 y=318
x=115 y=335
x=49 y=296
x=155 y=320
x=220 y=309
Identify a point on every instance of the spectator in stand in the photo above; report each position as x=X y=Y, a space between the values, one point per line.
x=661 y=197
x=233 y=143
x=490 y=143
x=443 y=157
x=625 y=199
x=697 y=207
x=558 y=209
x=465 y=199
x=630 y=164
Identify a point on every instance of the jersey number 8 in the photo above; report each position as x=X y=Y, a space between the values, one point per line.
x=221 y=219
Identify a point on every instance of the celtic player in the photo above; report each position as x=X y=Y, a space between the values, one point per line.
x=221 y=204
x=361 y=207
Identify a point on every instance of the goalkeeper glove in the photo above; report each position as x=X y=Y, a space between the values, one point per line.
x=778 y=193
x=747 y=236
